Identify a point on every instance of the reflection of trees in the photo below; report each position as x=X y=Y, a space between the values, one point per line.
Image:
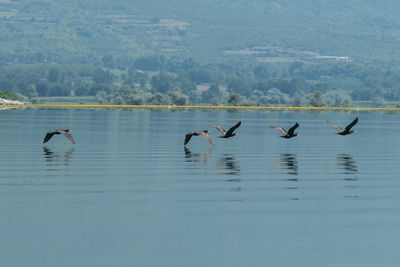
x=230 y=164
x=346 y=164
x=197 y=157
x=57 y=158
x=289 y=162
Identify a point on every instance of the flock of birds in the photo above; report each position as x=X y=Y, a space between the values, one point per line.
x=224 y=134
x=285 y=134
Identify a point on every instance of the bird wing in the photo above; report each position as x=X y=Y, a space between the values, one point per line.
x=348 y=127
x=69 y=136
x=230 y=131
x=291 y=130
x=206 y=136
x=279 y=129
x=48 y=136
x=335 y=126
x=219 y=128
x=187 y=138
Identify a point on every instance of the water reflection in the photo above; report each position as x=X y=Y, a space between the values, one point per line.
x=197 y=157
x=230 y=164
x=346 y=164
x=290 y=164
x=57 y=158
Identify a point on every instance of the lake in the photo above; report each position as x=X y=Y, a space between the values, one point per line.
x=129 y=194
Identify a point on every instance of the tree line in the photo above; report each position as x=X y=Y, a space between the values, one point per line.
x=171 y=81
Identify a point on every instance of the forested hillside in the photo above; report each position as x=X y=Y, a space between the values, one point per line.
x=267 y=52
x=86 y=30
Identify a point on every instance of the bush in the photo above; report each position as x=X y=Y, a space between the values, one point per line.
x=179 y=98
x=318 y=99
x=8 y=95
x=235 y=99
x=160 y=99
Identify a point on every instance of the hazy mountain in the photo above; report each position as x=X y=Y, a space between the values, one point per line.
x=85 y=30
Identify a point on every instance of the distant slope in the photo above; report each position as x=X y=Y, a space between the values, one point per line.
x=86 y=30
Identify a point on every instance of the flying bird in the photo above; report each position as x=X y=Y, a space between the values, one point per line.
x=203 y=133
x=66 y=133
x=226 y=134
x=288 y=134
x=346 y=130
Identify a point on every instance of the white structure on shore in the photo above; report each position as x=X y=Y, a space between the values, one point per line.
x=8 y=103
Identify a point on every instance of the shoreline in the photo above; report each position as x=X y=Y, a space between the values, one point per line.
x=25 y=105
x=11 y=104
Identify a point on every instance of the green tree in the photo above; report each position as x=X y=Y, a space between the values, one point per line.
x=195 y=97
x=59 y=90
x=298 y=101
x=102 y=97
x=33 y=98
x=6 y=85
x=151 y=63
x=24 y=88
x=275 y=96
x=212 y=92
x=82 y=91
x=160 y=99
x=42 y=88
x=97 y=87
x=346 y=102
x=184 y=83
x=132 y=77
x=200 y=75
x=178 y=98
x=118 y=100
x=235 y=99
x=261 y=72
x=217 y=101
x=337 y=99
x=54 y=75
x=162 y=83
x=108 y=61
x=318 y=99
x=8 y=95
x=135 y=99
x=239 y=86
x=103 y=76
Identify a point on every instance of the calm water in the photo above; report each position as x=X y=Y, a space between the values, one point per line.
x=129 y=194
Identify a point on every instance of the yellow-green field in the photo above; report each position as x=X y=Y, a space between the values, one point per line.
x=198 y=107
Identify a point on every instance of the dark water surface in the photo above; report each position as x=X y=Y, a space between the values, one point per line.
x=129 y=194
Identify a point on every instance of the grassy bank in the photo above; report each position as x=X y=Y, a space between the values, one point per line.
x=199 y=107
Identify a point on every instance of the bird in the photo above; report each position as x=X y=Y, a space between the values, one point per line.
x=204 y=133
x=346 y=130
x=226 y=134
x=65 y=132
x=288 y=134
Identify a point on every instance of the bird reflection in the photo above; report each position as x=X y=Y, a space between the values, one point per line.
x=197 y=157
x=346 y=164
x=229 y=163
x=290 y=164
x=58 y=158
